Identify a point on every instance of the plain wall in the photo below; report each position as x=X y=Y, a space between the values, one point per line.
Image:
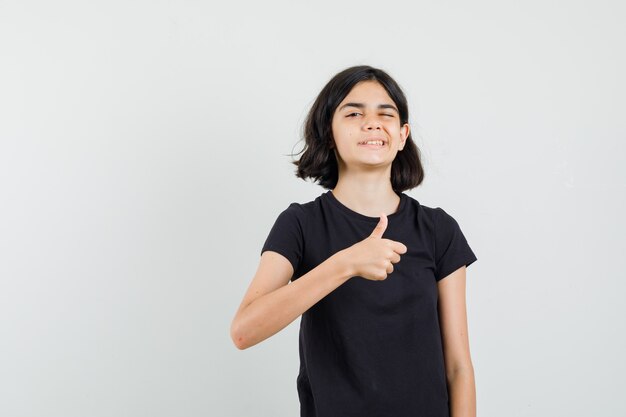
x=144 y=157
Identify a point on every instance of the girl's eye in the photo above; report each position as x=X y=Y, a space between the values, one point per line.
x=383 y=114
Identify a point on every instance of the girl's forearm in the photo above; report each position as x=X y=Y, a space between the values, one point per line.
x=272 y=312
x=462 y=393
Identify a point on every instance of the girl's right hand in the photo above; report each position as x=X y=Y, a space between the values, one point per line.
x=373 y=257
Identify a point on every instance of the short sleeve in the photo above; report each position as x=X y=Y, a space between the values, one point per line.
x=286 y=235
x=451 y=248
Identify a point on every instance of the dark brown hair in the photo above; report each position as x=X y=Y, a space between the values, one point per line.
x=318 y=161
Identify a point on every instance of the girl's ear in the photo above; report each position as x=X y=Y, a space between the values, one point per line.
x=405 y=134
x=406 y=129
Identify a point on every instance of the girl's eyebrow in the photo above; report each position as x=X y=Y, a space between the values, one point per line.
x=362 y=106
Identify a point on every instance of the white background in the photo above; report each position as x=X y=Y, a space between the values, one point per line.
x=143 y=160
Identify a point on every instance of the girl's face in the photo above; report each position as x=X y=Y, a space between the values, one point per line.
x=368 y=113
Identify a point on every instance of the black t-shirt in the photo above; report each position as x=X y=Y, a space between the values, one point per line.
x=372 y=348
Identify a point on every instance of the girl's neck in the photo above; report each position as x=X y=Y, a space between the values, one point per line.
x=369 y=199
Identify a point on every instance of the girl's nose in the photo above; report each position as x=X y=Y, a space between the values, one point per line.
x=372 y=123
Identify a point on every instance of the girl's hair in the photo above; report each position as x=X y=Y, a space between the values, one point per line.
x=318 y=160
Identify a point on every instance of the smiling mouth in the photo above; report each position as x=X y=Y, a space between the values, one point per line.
x=374 y=142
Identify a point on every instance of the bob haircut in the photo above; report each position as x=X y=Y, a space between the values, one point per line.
x=319 y=162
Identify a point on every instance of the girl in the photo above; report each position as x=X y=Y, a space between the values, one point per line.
x=378 y=278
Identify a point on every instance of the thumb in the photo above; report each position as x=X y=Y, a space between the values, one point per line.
x=380 y=227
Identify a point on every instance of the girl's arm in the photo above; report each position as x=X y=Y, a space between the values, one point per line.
x=271 y=302
x=453 y=322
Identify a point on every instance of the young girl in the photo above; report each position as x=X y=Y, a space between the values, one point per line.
x=378 y=278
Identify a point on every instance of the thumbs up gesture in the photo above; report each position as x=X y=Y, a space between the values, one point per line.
x=373 y=257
